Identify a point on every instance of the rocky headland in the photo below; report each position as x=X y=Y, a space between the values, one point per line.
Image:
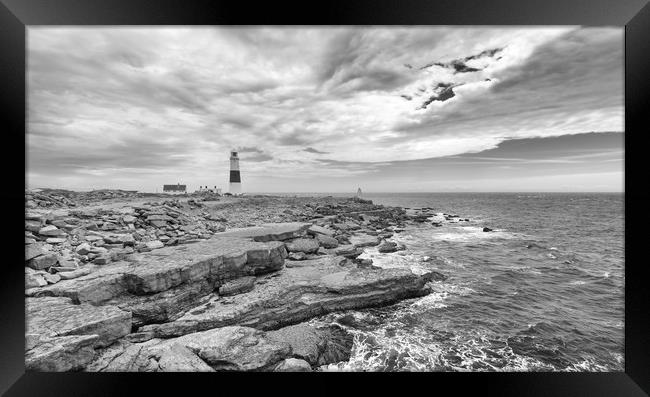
x=121 y=281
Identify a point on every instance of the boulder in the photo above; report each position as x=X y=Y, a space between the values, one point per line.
x=178 y=358
x=33 y=280
x=154 y=244
x=305 y=245
x=43 y=261
x=297 y=256
x=487 y=229
x=52 y=278
x=387 y=246
x=364 y=240
x=317 y=346
x=51 y=230
x=327 y=241
x=55 y=240
x=34 y=250
x=236 y=348
x=293 y=365
x=33 y=226
x=348 y=251
x=222 y=349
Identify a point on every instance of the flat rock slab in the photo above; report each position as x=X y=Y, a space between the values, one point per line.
x=316 y=230
x=58 y=354
x=215 y=260
x=364 y=240
x=219 y=259
x=305 y=245
x=268 y=231
x=54 y=316
x=296 y=294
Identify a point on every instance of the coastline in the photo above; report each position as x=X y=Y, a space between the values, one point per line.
x=121 y=281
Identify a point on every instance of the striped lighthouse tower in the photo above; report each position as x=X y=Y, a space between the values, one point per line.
x=235 y=179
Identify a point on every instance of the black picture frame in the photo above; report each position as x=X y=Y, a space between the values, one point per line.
x=17 y=15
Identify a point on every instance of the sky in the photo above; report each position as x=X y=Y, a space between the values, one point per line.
x=327 y=109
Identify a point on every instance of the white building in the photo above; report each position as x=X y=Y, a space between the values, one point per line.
x=175 y=189
x=207 y=189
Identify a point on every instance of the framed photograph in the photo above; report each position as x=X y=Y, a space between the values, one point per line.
x=423 y=192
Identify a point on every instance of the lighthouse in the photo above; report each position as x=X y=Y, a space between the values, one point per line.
x=235 y=179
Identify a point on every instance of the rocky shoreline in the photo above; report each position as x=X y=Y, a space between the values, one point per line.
x=204 y=283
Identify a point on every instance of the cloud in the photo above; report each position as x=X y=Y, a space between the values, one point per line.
x=312 y=150
x=141 y=105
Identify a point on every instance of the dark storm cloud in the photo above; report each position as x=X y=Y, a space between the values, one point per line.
x=443 y=91
x=579 y=73
x=350 y=64
x=459 y=65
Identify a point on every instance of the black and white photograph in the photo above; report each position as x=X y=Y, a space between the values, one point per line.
x=442 y=198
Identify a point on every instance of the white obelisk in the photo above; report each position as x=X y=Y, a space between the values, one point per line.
x=235 y=179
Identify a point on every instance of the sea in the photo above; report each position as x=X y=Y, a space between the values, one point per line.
x=544 y=291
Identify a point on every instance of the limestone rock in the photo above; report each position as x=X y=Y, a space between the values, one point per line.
x=154 y=244
x=295 y=294
x=327 y=241
x=364 y=240
x=34 y=250
x=293 y=365
x=129 y=219
x=315 y=230
x=33 y=280
x=74 y=273
x=387 y=247
x=52 y=278
x=179 y=358
x=43 y=261
x=237 y=286
x=317 y=346
x=296 y=256
x=268 y=231
x=348 y=251
x=51 y=230
x=303 y=245
x=56 y=316
x=236 y=348
x=63 y=353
